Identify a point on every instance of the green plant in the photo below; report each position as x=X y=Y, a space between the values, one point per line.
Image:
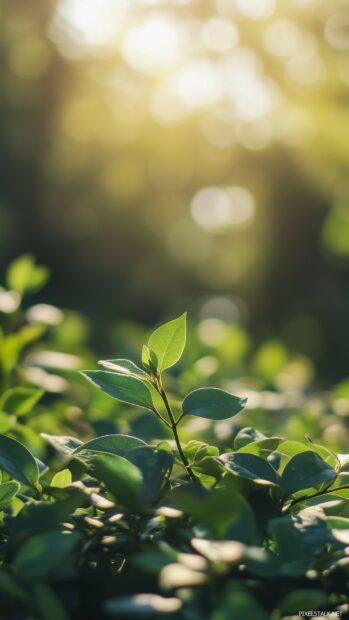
x=143 y=387
x=115 y=526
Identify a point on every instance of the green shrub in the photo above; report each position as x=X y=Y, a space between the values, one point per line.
x=116 y=525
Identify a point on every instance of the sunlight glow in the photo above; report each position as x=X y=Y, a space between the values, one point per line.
x=256 y=9
x=337 y=31
x=153 y=45
x=216 y=210
x=283 y=38
x=91 y=23
x=199 y=83
x=219 y=35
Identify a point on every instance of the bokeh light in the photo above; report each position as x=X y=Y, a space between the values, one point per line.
x=217 y=210
x=181 y=149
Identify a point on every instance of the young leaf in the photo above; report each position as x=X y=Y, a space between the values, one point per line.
x=18 y=461
x=112 y=444
x=212 y=403
x=62 y=479
x=306 y=470
x=166 y=344
x=8 y=490
x=126 y=388
x=124 y=367
x=122 y=478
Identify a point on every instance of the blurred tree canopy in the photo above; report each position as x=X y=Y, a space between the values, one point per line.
x=159 y=155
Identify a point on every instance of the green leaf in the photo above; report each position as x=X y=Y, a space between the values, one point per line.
x=306 y=470
x=262 y=447
x=126 y=388
x=166 y=344
x=247 y=435
x=250 y=466
x=219 y=508
x=290 y=545
x=38 y=517
x=124 y=367
x=62 y=443
x=123 y=479
x=340 y=523
x=146 y=361
x=20 y=400
x=212 y=403
x=24 y=276
x=18 y=461
x=62 y=479
x=112 y=444
x=8 y=490
x=156 y=466
x=43 y=553
x=290 y=448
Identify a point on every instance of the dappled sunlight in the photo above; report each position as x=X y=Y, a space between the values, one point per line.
x=212 y=136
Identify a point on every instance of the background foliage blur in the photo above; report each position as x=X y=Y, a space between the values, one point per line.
x=162 y=155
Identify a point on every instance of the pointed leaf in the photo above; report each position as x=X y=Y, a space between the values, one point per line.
x=124 y=367
x=156 y=466
x=122 y=478
x=212 y=403
x=18 y=461
x=112 y=444
x=126 y=388
x=250 y=466
x=306 y=470
x=62 y=443
x=166 y=344
x=8 y=490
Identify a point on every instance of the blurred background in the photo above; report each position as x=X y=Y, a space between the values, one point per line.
x=162 y=155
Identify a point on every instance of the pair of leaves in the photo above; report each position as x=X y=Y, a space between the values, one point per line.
x=306 y=470
x=210 y=403
x=128 y=383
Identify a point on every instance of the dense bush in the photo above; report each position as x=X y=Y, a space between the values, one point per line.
x=159 y=508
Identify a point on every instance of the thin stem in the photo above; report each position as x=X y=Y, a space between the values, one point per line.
x=175 y=433
x=158 y=415
x=179 y=419
x=318 y=494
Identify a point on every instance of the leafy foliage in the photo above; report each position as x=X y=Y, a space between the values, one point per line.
x=97 y=522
